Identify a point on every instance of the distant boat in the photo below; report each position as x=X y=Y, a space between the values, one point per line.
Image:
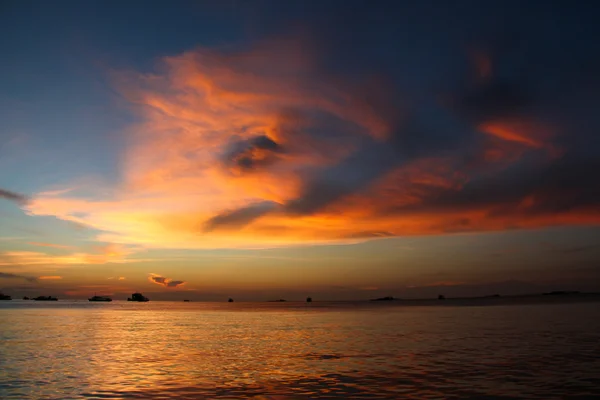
x=5 y=297
x=25 y=298
x=45 y=298
x=230 y=300
x=277 y=301
x=309 y=299
x=441 y=297
x=186 y=301
x=138 y=297
x=100 y=298
x=387 y=298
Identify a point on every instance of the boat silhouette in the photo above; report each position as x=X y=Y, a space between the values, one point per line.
x=100 y=298
x=5 y=297
x=45 y=298
x=138 y=297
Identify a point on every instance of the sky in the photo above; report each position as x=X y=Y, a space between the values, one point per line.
x=259 y=150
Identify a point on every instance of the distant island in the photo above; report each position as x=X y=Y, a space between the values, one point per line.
x=387 y=298
x=45 y=298
x=494 y=298
x=561 y=293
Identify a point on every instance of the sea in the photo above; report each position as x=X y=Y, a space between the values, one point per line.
x=494 y=349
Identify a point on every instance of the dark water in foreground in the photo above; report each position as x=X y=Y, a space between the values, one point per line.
x=165 y=350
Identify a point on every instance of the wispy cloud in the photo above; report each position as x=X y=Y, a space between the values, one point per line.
x=6 y=275
x=56 y=246
x=57 y=192
x=109 y=253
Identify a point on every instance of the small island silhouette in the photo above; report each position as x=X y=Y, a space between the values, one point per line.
x=45 y=298
x=561 y=293
x=387 y=298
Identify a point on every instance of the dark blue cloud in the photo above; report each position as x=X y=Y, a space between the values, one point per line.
x=239 y=217
x=13 y=196
x=251 y=154
x=7 y=275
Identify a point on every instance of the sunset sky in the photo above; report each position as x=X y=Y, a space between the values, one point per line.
x=279 y=149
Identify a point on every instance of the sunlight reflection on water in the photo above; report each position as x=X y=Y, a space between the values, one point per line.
x=201 y=350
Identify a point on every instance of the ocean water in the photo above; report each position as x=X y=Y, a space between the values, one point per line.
x=167 y=350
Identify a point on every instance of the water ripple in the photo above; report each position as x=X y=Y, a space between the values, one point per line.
x=166 y=351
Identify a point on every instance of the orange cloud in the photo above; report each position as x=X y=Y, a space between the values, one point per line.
x=36 y=258
x=111 y=253
x=505 y=132
x=57 y=246
x=230 y=139
x=166 y=282
x=49 y=277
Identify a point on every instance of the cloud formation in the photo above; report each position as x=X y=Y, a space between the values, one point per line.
x=6 y=275
x=250 y=154
x=278 y=145
x=240 y=217
x=56 y=246
x=166 y=282
x=12 y=196
x=109 y=253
